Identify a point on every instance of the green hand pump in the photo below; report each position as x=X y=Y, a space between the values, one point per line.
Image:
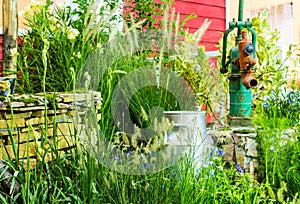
x=242 y=67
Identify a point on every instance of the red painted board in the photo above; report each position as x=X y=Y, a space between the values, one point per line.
x=199 y=9
x=220 y=3
x=209 y=35
x=215 y=24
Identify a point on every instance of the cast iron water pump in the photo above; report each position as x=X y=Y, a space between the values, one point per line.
x=242 y=67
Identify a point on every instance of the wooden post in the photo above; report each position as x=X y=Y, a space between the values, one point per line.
x=10 y=36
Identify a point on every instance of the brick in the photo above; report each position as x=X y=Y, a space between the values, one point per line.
x=18 y=115
x=34 y=121
x=33 y=161
x=67 y=98
x=33 y=108
x=98 y=104
x=16 y=104
x=57 y=111
x=65 y=106
x=25 y=150
x=3 y=154
x=229 y=152
x=1 y=142
x=7 y=131
x=62 y=142
x=71 y=113
x=65 y=129
x=30 y=136
x=34 y=127
x=2 y=115
x=59 y=118
x=19 y=122
x=40 y=113
x=51 y=119
x=240 y=157
x=250 y=147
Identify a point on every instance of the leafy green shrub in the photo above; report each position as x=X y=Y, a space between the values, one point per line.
x=71 y=33
x=271 y=68
x=205 y=81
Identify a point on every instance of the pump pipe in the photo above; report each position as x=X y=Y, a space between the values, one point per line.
x=242 y=67
x=240 y=18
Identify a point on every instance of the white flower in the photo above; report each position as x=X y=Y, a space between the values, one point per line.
x=62 y=6
x=72 y=33
x=99 y=45
x=13 y=52
x=100 y=48
x=220 y=167
x=78 y=55
x=133 y=184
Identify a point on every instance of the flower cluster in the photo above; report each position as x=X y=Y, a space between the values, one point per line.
x=30 y=9
x=286 y=104
x=72 y=33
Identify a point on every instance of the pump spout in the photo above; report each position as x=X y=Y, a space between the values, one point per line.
x=248 y=80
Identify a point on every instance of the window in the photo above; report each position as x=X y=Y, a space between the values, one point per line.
x=281 y=18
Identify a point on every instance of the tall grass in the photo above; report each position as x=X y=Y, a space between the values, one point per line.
x=279 y=157
x=78 y=177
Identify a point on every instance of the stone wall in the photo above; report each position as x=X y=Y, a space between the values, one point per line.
x=240 y=147
x=33 y=128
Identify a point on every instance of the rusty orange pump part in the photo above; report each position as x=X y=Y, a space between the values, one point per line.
x=246 y=61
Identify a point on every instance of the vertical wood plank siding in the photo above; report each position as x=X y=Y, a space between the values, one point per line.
x=213 y=10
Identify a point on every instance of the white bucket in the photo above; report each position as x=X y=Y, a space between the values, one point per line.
x=190 y=130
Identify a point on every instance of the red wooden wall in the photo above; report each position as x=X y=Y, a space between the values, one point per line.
x=213 y=10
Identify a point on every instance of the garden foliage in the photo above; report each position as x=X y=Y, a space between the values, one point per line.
x=64 y=38
x=72 y=32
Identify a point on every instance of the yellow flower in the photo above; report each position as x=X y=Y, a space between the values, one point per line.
x=33 y=7
x=72 y=33
x=4 y=85
x=53 y=24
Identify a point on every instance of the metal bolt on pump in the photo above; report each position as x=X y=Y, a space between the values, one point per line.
x=242 y=67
